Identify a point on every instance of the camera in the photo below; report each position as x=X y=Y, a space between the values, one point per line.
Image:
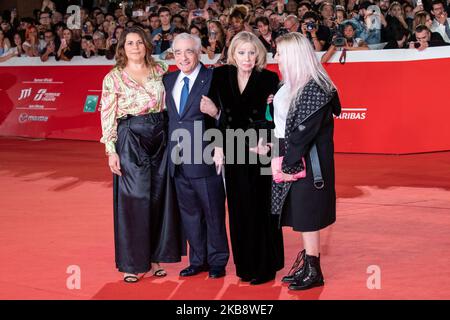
x=339 y=42
x=198 y=13
x=416 y=45
x=310 y=26
x=212 y=35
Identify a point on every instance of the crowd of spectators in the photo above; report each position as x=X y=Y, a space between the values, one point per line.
x=330 y=25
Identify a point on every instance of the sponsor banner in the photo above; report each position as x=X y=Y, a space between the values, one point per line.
x=387 y=106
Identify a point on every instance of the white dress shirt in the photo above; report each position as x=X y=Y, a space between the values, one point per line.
x=179 y=84
x=280 y=111
x=440 y=28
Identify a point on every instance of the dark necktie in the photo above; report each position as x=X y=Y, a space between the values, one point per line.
x=184 y=94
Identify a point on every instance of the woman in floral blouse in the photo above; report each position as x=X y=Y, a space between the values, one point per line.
x=134 y=124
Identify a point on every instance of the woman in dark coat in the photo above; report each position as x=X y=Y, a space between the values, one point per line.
x=240 y=91
x=303 y=115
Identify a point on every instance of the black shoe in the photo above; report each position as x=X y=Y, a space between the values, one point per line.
x=312 y=275
x=297 y=268
x=261 y=280
x=192 y=271
x=217 y=272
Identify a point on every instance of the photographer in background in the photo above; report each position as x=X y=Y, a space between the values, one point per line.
x=328 y=13
x=423 y=37
x=317 y=34
x=345 y=40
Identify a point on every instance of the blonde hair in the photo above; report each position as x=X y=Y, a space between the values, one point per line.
x=299 y=64
x=420 y=18
x=248 y=37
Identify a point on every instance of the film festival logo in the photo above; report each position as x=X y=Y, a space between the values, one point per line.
x=41 y=95
x=198 y=148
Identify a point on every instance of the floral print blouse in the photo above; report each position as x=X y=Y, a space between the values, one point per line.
x=122 y=95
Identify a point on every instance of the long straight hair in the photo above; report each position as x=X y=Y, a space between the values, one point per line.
x=299 y=64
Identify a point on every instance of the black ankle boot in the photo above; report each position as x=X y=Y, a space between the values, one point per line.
x=297 y=268
x=312 y=275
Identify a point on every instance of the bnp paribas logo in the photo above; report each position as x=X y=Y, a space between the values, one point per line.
x=91 y=104
x=353 y=114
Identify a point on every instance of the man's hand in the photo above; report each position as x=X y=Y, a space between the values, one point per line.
x=50 y=48
x=91 y=47
x=219 y=159
x=442 y=18
x=157 y=37
x=208 y=106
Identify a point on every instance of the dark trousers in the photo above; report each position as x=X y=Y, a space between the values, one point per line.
x=202 y=208
x=146 y=216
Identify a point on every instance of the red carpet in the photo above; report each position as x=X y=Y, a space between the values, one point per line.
x=56 y=211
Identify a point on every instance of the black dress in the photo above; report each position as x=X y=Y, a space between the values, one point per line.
x=256 y=239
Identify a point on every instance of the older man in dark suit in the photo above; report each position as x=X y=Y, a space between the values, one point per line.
x=199 y=184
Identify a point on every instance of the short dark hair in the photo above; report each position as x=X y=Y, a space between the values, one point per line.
x=324 y=4
x=45 y=12
x=348 y=23
x=311 y=14
x=434 y=2
x=421 y=27
x=365 y=5
x=178 y=16
x=263 y=20
x=163 y=9
x=178 y=30
x=305 y=4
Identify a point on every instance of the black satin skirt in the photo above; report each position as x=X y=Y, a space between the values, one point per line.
x=147 y=224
